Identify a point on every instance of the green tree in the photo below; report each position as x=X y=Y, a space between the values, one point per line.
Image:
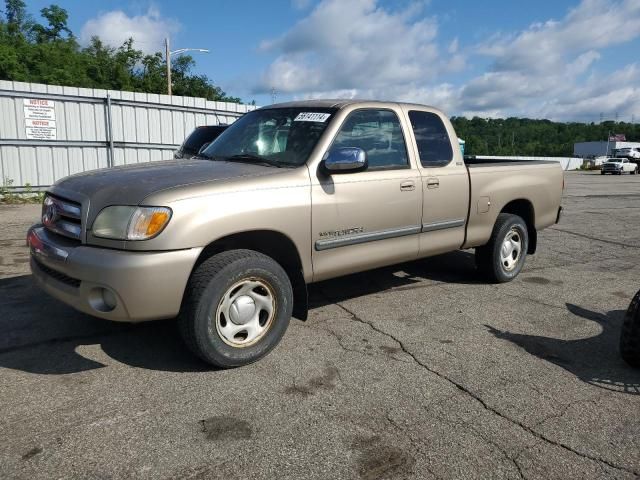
x=57 y=24
x=48 y=52
x=527 y=137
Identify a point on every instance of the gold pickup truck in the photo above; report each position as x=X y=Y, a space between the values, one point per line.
x=288 y=195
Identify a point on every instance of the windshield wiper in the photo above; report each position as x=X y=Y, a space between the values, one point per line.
x=202 y=156
x=253 y=158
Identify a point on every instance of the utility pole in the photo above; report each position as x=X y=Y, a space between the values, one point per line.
x=179 y=51
x=168 y=58
x=273 y=95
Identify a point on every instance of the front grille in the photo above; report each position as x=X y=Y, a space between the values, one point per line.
x=59 y=276
x=62 y=216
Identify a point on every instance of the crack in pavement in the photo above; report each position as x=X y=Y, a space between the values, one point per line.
x=339 y=338
x=416 y=446
x=483 y=403
x=476 y=433
x=611 y=242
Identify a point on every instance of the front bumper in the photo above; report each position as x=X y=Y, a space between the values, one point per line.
x=112 y=284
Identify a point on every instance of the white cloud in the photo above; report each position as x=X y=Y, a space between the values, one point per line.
x=115 y=27
x=361 y=49
x=538 y=69
x=617 y=93
x=356 y=46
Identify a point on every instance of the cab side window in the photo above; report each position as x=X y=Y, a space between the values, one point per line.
x=432 y=139
x=379 y=134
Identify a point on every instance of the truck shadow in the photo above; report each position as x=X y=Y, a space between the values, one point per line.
x=594 y=360
x=455 y=267
x=41 y=335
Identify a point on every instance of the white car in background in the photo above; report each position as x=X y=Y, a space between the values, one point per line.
x=629 y=152
x=618 y=166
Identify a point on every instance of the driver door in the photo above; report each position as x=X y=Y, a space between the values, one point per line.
x=369 y=218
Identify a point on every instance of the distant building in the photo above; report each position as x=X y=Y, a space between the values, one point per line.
x=599 y=149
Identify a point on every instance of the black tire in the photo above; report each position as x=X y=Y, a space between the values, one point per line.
x=601 y=173
x=488 y=257
x=630 y=336
x=209 y=282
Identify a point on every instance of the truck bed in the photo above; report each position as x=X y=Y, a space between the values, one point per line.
x=495 y=183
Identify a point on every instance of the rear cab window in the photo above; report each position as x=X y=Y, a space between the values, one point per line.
x=432 y=139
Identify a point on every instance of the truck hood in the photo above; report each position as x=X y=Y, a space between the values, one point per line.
x=131 y=184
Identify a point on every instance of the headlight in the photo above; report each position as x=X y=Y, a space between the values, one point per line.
x=131 y=223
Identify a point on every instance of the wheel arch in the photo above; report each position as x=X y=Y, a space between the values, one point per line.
x=274 y=244
x=525 y=210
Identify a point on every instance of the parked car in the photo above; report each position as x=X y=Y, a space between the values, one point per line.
x=198 y=140
x=628 y=152
x=630 y=336
x=618 y=166
x=291 y=194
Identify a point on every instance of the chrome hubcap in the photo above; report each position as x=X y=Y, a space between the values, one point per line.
x=245 y=312
x=242 y=309
x=511 y=249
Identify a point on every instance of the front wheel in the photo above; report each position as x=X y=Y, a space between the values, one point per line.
x=502 y=258
x=236 y=309
x=630 y=336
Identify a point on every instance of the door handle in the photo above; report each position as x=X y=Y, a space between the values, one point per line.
x=407 y=186
x=433 y=182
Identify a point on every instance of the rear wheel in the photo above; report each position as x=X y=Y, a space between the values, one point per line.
x=502 y=258
x=236 y=309
x=630 y=336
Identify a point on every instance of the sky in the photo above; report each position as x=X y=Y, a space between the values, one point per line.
x=567 y=60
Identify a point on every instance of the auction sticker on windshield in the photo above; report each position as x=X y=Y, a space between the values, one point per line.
x=312 y=117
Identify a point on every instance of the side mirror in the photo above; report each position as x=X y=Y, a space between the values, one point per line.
x=345 y=160
x=203 y=147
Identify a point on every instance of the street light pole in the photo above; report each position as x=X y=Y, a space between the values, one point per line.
x=168 y=54
x=168 y=58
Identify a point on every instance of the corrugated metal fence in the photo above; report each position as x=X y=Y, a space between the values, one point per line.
x=80 y=129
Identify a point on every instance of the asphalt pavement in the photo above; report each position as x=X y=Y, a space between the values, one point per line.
x=421 y=370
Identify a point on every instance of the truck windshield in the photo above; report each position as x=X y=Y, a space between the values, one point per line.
x=282 y=137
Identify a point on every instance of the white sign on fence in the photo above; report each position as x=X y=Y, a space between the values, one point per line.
x=41 y=129
x=40 y=119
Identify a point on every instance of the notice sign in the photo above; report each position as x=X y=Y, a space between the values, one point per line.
x=40 y=119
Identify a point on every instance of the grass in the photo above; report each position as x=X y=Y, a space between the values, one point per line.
x=8 y=196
